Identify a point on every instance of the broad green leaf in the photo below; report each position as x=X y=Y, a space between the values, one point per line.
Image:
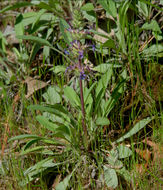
x=102 y=68
x=72 y=96
x=125 y=174
x=43 y=5
x=59 y=130
x=51 y=96
x=35 y=39
x=46 y=123
x=59 y=69
x=109 y=6
x=64 y=184
x=57 y=110
x=16 y=6
x=110 y=44
x=87 y=7
x=112 y=8
x=110 y=177
x=103 y=82
x=153 y=25
x=19 y=28
x=153 y=50
x=109 y=105
x=63 y=27
x=151 y=4
x=87 y=93
x=32 y=172
x=37 y=18
x=143 y=8
x=141 y=124
x=90 y=15
x=102 y=121
x=123 y=151
x=26 y=136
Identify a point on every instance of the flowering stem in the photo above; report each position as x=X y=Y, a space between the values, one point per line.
x=82 y=103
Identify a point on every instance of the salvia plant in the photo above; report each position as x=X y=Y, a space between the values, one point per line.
x=76 y=114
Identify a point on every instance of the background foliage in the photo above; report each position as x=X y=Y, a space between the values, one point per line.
x=81 y=94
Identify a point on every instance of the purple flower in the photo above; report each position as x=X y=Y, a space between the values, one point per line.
x=81 y=54
x=69 y=29
x=66 y=52
x=93 y=48
x=82 y=75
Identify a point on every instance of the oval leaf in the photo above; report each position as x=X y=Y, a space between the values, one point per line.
x=110 y=177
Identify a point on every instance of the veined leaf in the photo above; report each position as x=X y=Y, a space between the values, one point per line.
x=66 y=35
x=51 y=96
x=123 y=151
x=72 y=96
x=125 y=174
x=102 y=121
x=46 y=123
x=141 y=124
x=153 y=25
x=110 y=177
x=87 y=7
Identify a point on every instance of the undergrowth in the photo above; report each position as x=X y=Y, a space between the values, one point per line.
x=81 y=94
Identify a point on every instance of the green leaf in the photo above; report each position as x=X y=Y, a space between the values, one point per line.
x=125 y=174
x=46 y=123
x=110 y=44
x=32 y=172
x=26 y=136
x=141 y=124
x=64 y=184
x=19 y=27
x=102 y=121
x=30 y=143
x=59 y=69
x=37 y=18
x=35 y=39
x=72 y=96
x=16 y=6
x=123 y=151
x=143 y=8
x=103 y=82
x=66 y=35
x=102 y=68
x=59 y=130
x=109 y=105
x=153 y=25
x=87 y=93
x=110 y=177
x=112 y=8
x=90 y=15
x=34 y=149
x=153 y=50
x=51 y=96
x=87 y=7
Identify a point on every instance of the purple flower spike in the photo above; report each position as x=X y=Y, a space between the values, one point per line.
x=82 y=75
x=81 y=54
